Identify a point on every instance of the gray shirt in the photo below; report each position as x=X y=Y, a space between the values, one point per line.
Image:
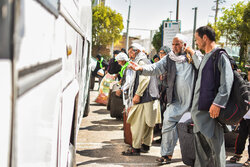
x=183 y=87
x=202 y=120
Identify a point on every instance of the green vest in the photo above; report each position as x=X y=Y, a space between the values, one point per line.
x=100 y=62
x=123 y=68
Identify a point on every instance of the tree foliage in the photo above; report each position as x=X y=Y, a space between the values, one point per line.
x=245 y=30
x=157 y=39
x=106 y=25
x=229 y=24
x=216 y=30
x=234 y=25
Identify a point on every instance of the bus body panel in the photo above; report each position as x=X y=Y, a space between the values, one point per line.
x=51 y=83
x=69 y=65
x=36 y=125
x=86 y=21
x=5 y=118
x=38 y=38
x=68 y=101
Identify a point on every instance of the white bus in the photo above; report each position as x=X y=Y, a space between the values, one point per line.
x=45 y=48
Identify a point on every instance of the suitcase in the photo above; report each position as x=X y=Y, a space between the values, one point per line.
x=127 y=131
x=230 y=139
x=186 y=139
x=231 y=136
x=115 y=103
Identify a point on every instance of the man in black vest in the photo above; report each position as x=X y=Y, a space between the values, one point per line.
x=207 y=102
x=180 y=81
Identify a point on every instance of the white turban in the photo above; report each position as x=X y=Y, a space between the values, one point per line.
x=181 y=37
x=137 y=46
x=121 y=56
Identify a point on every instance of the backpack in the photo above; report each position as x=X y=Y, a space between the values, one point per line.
x=239 y=99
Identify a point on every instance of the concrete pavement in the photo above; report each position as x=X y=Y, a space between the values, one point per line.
x=100 y=143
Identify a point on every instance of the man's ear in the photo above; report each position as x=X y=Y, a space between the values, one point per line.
x=204 y=38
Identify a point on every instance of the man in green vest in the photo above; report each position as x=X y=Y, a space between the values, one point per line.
x=100 y=64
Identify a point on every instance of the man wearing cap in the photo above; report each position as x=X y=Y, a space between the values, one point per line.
x=142 y=92
x=180 y=81
x=123 y=60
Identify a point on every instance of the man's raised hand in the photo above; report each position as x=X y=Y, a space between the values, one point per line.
x=134 y=66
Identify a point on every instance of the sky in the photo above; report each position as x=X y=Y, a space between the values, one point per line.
x=149 y=14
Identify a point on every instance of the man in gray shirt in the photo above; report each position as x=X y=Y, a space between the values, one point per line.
x=180 y=78
x=208 y=100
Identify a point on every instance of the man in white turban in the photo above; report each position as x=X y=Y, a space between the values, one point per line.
x=142 y=91
x=180 y=81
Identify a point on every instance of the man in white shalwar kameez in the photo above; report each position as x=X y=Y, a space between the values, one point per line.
x=142 y=94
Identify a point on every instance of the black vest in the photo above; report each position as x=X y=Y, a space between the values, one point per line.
x=171 y=74
x=210 y=82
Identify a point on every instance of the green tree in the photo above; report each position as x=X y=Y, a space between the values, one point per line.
x=216 y=30
x=157 y=39
x=106 y=26
x=234 y=28
x=245 y=29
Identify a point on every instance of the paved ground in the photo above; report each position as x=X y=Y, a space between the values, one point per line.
x=100 y=143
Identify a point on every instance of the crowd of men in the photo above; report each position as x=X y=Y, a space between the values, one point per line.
x=184 y=78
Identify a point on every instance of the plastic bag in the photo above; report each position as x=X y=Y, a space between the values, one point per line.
x=102 y=98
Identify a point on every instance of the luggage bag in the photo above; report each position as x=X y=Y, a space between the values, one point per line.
x=186 y=139
x=115 y=103
x=127 y=131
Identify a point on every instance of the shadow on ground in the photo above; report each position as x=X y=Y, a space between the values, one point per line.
x=104 y=125
x=96 y=104
x=110 y=153
x=101 y=128
x=101 y=111
x=108 y=122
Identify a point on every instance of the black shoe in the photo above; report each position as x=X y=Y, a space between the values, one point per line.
x=131 y=152
x=144 y=148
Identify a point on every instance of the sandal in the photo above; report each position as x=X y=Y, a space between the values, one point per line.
x=235 y=158
x=131 y=152
x=247 y=163
x=163 y=160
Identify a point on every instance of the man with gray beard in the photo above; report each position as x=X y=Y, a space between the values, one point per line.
x=180 y=81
